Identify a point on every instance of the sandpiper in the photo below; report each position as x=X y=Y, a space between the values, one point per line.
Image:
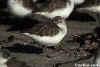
x=20 y=7
x=55 y=8
x=48 y=34
x=48 y=8
x=92 y=8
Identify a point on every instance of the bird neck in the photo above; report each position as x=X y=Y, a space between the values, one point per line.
x=62 y=26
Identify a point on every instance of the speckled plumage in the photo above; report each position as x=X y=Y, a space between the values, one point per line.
x=55 y=8
x=43 y=29
x=47 y=28
x=28 y=3
x=52 y=5
x=50 y=33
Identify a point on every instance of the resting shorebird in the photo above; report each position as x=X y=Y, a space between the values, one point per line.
x=48 y=34
x=92 y=7
x=48 y=8
x=20 y=7
x=55 y=8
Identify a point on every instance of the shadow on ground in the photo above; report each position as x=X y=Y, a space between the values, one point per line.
x=19 y=48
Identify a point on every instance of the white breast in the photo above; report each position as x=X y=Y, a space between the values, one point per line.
x=3 y=61
x=63 y=12
x=51 y=40
x=17 y=8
